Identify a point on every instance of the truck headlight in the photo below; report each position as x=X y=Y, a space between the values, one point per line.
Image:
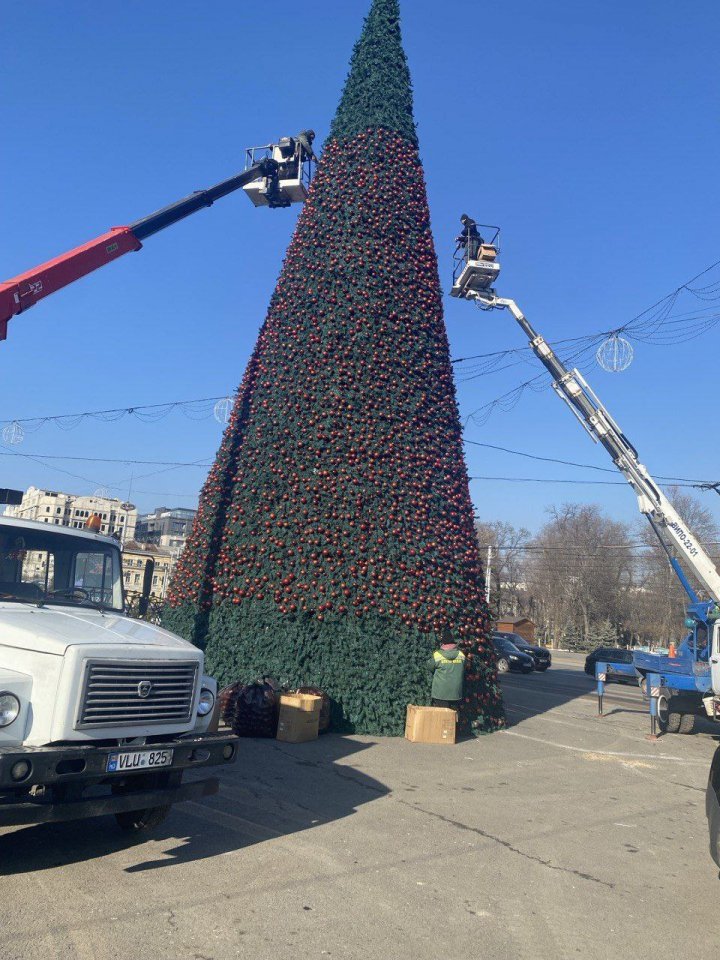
x=206 y=702
x=9 y=708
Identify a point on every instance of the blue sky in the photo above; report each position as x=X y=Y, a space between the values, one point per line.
x=589 y=131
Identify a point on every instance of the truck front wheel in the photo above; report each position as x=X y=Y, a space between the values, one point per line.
x=668 y=719
x=137 y=821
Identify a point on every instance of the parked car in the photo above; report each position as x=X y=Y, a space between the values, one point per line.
x=541 y=656
x=510 y=658
x=610 y=655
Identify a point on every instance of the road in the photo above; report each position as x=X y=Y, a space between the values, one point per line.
x=564 y=837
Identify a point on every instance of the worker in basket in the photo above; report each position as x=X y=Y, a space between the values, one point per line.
x=304 y=146
x=469 y=239
x=295 y=150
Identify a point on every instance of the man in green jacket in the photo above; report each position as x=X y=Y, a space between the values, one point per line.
x=448 y=669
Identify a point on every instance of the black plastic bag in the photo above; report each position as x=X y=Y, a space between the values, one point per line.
x=226 y=699
x=256 y=709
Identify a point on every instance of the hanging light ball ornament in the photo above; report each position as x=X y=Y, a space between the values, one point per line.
x=223 y=409
x=13 y=433
x=615 y=354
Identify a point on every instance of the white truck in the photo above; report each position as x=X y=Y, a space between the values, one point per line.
x=99 y=713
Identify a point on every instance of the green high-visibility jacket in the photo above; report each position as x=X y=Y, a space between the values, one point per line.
x=448 y=668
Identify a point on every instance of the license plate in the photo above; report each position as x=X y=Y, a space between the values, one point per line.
x=138 y=760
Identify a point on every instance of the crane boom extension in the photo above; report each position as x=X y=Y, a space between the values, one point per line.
x=24 y=291
x=571 y=386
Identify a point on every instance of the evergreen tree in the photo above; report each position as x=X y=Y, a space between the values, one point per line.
x=602 y=634
x=334 y=537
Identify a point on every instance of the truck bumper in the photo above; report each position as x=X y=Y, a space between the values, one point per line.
x=67 y=772
x=23 y=814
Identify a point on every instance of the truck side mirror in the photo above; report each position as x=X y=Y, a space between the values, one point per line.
x=147 y=586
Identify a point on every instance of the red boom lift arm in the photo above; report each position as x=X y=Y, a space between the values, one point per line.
x=22 y=292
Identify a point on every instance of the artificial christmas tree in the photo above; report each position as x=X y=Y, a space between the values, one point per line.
x=334 y=537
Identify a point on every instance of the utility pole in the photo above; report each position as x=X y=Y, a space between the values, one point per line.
x=488 y=571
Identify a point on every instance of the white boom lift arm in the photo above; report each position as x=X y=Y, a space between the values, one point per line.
x=474 y=283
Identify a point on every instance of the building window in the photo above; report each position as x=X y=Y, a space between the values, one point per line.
x=136 y=578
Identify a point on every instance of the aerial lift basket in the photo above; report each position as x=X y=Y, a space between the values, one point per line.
x=294 y=174
x=473 y=277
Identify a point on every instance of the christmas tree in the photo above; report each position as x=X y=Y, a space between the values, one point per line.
x=334 y=538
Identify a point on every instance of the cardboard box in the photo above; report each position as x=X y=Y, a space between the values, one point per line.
x=299 y=717
x=430 y=724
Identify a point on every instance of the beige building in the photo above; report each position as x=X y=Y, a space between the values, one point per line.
x=70 y=510
x=135 y=558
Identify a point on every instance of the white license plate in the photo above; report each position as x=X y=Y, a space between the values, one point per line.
x=138 y=760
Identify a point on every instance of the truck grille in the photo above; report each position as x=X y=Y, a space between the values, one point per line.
x=137 y=692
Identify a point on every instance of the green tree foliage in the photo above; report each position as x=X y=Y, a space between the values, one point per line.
x=334 y=537
x=603 y=634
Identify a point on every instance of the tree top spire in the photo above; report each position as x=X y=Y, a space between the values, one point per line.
x=378 y=89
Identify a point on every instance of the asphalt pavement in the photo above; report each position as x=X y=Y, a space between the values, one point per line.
x=567 y=836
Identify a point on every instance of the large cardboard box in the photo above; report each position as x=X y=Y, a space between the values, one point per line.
x=430 y=724
x=299 y=717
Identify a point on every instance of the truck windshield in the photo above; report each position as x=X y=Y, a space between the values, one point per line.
x=45 y=567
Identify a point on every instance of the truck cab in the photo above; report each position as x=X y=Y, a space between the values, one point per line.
x=99 y=713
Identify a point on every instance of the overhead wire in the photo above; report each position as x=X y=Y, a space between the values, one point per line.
x=59 y=456
x=655 y=324
x=648 y=326
x=640 y=327
x=606 y=483
x=573 y=463
x=568 y=548
x=149 y=413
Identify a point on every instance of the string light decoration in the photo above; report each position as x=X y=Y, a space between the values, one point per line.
x=334 y=537
x=13 y=434
x=615 y=354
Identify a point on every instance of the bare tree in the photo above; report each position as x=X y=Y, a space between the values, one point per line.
x=657 y=610
x=587 y=579
x=580 y=573
x=507 y=569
